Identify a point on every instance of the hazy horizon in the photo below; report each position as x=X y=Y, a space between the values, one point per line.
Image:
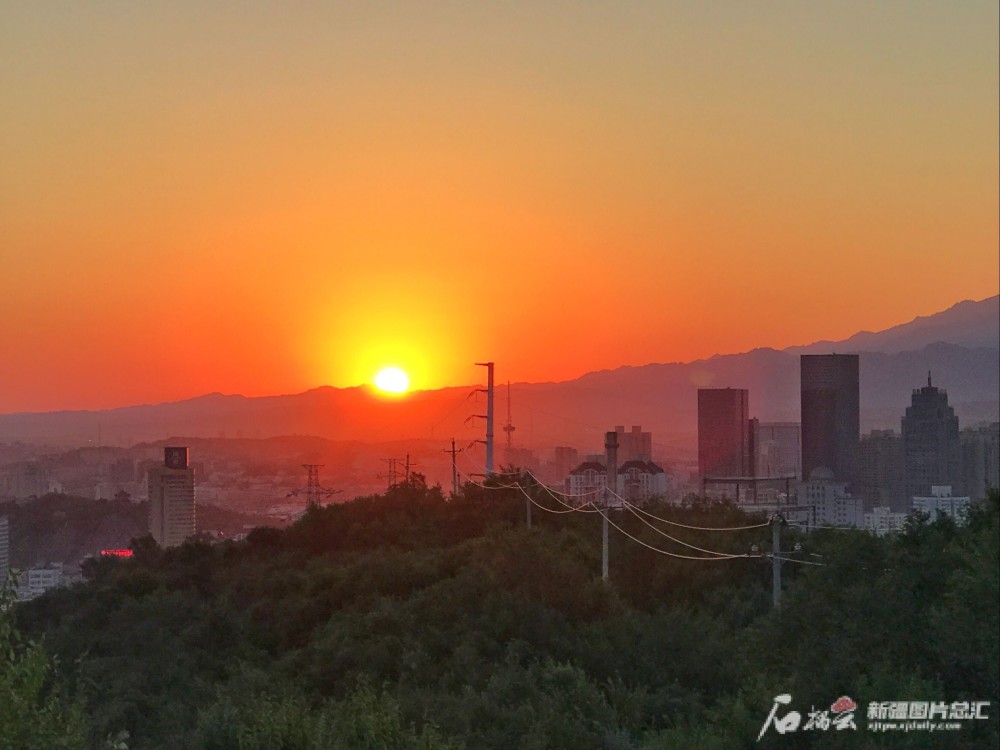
x=570 y=378
x=198 y=198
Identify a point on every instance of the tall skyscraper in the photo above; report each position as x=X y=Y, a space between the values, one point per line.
x=831 y=415
x=932 y=449
x=4 y=550
x=881 y=472
x=724 y=433
x=171 y=498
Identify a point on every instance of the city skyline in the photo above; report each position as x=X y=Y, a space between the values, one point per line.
x=499 y=374
x=195 y=200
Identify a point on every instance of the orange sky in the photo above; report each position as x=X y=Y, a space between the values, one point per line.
x=254 y=198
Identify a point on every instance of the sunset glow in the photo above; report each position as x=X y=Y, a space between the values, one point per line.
x=270 y=200
x=392 y=380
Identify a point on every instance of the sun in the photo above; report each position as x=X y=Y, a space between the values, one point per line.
x=392 y=380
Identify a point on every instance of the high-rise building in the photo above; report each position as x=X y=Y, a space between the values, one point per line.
x=980 y=459
x=4 y=550
x=171 y=498
x=831 y=415
x=634 y=445
x=724 y=432
x=932 y=449
x=881 y=471
x=777 y=449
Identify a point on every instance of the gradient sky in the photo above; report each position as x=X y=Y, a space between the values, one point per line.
x=261 y=198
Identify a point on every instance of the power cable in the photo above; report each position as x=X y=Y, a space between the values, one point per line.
x=678 y=541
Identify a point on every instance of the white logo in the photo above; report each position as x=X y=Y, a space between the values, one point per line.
x=882 y=716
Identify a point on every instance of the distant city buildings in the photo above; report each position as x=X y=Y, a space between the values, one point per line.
x=829 y=503
x=980 y=459
x=881 y=471
x=777 y=447
x=171 y=498
x=642 y=480
x=634 y=445
x=636 y=481
x=27 y=480
x=940 y=501
x=882 y=521
x=831 y=415
x=521 y=458
x=724 y=433
x=931 y=445
x=34 y=582
x=589 y=478
x=565 y=458
x=635 y=477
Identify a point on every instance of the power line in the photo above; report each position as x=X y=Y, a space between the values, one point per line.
x=674 y=554
x=679 y=541
x=719 y=555
x=549 y=510
x=800 y=562
x=583 y=509
x=688 y=526
x=557 y=492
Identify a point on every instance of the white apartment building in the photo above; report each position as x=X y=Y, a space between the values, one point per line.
x=942 y=501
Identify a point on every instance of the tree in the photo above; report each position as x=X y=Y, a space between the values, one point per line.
x=32 y=713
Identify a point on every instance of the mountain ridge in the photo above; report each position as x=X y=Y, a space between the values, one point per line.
x=660 y=396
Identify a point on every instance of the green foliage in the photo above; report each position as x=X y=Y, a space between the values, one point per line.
x=481 y=634
x=364 y=721
x=32 y=715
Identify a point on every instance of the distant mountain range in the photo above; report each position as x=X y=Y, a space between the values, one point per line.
x=959 y=346
x=970 y=324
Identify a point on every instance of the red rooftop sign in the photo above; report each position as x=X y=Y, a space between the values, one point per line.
x=116 y=553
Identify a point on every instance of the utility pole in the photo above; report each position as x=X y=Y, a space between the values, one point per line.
x=776 y=521
x=391 y=473
x=611 y=486
x=527 y=506
x=489 y=415
x=454 y=467
x=604 y=543
x=408 y=467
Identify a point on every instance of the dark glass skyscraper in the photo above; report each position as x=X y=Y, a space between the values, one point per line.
x=724 y=446
x=932 y=449
x=831 y=415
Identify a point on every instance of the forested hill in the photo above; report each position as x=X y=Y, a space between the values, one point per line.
x=408 y=621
